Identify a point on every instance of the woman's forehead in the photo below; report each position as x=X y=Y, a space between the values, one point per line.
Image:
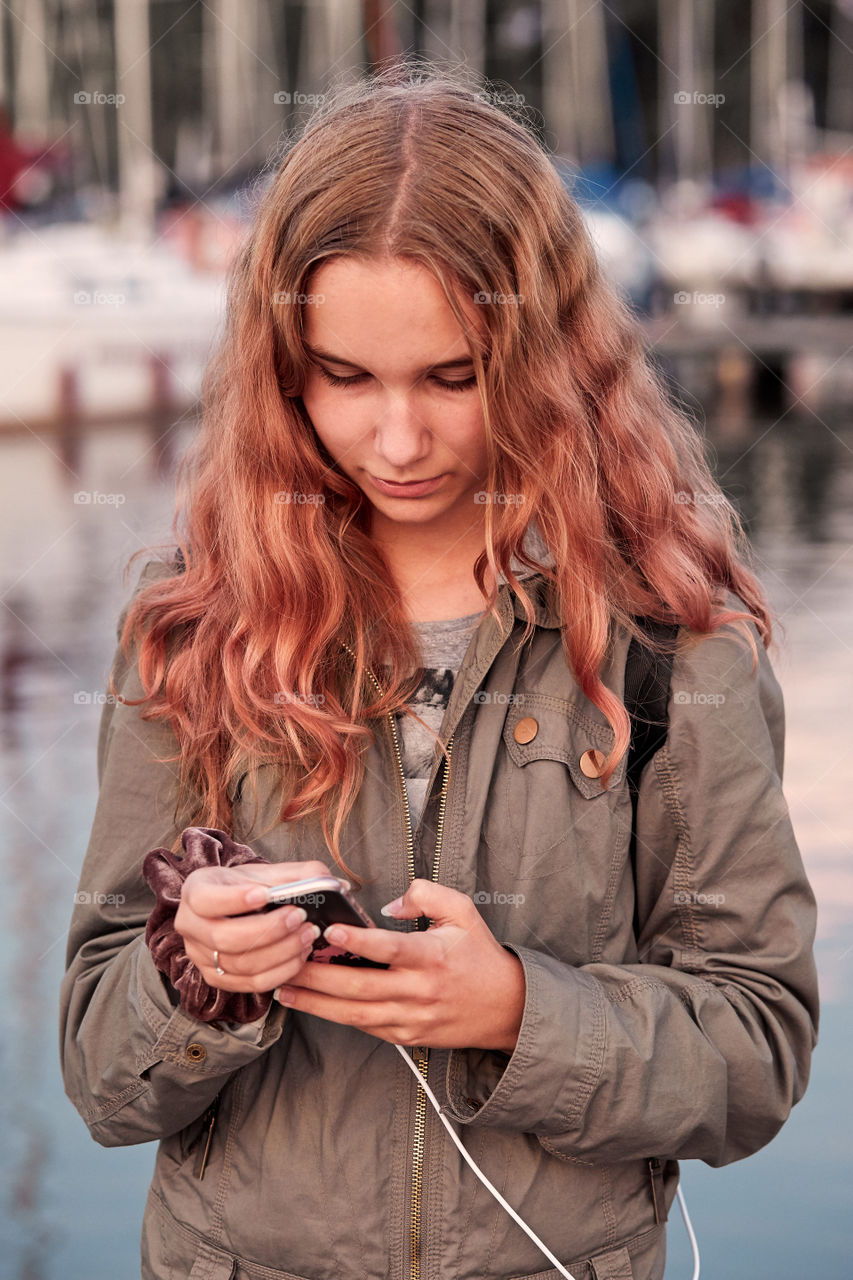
x=360 y=312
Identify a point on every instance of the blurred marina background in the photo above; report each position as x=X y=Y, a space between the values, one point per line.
x=711 y=147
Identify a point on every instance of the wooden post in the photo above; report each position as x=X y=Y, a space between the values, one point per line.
x=380 y=31
x=735 y=370
x=68 y=415
x=163 y=410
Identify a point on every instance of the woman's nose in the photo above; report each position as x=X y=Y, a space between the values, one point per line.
x=402 y=436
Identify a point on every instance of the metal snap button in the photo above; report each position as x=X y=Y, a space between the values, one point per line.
x=475 y=1103
x=195 y=1052
x=592 y=763
x=526 y=729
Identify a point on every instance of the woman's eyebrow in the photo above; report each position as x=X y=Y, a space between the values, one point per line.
x=461 y=362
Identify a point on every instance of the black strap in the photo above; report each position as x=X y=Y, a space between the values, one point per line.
x=646 y=698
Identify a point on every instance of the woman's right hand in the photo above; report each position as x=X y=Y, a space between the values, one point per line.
x=258 y=951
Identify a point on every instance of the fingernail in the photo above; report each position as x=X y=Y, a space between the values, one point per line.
x=335 y=933
x=283 y=996
x=254 y=897
x=310 y=932
x=391 y=908
x=296 y=917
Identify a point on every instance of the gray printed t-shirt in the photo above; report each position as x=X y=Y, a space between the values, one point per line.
x=443 y=646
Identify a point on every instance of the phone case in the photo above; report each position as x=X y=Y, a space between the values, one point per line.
x=326 y=900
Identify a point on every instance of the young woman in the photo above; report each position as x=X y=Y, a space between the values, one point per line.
x=437 y=483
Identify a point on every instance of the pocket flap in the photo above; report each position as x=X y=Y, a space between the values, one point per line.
x=614 y=1265
x=561 y=733
x=212 y=1264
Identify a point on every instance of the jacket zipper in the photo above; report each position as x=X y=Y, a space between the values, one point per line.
x=422 y=1057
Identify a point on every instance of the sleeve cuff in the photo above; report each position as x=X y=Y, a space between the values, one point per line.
x=545 y=1084
x=171 y=1025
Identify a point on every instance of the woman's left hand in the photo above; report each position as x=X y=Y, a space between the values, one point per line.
x=451 y=986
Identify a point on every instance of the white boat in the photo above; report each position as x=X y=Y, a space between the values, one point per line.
x=100 y=326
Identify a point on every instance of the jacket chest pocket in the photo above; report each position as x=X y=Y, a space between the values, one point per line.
x=546 y=810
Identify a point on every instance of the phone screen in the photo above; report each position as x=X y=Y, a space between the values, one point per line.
x=326 y=900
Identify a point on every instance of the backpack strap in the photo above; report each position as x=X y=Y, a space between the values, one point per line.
x=646 y=698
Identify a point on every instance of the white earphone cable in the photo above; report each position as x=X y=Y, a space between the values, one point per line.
x=407 y=1058
x=429 y=1093
x=682 y=1204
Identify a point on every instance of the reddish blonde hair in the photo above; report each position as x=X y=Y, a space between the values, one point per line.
x=416 y=164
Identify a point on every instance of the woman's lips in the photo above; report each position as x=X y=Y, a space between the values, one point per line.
x=416 y=490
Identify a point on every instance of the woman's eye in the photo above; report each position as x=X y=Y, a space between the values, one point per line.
x=458 y=386
x=335 y=381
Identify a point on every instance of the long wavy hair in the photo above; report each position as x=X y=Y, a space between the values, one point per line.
x=265 y=647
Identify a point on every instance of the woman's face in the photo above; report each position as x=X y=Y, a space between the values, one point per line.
x=391 y=390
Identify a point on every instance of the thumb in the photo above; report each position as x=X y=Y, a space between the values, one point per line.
x=426 y=898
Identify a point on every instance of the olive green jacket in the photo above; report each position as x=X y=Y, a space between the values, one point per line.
x=324 y=1160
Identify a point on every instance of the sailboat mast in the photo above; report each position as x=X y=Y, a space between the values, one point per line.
x=139 y=171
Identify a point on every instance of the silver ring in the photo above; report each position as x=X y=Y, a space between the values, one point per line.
x=219 y=968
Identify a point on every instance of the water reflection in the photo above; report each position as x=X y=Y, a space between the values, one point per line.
x=72 y=1207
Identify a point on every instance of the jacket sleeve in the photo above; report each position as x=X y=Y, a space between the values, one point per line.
x=134 y=1064
x=700 y=1050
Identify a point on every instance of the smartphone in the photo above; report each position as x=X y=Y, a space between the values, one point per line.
x=327 y=900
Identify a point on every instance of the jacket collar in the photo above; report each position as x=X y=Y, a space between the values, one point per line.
x=536 y=585
x=541 y=594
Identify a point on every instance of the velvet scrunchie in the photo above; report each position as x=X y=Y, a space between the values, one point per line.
x=165 y=872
